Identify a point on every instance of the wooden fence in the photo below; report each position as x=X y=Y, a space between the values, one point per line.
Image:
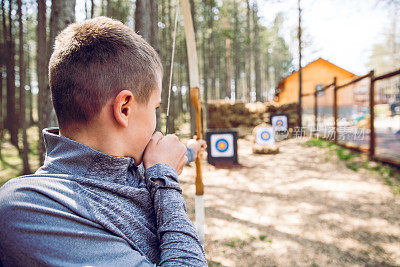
x=370 y=147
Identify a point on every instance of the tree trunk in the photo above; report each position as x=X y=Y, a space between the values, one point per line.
x=267 y=73
x=31 y=121
x=222 y=75
x=228 y=69
x=146 y=24
x=1 y=106
x=108 y=14
x=257 y=68
x=3 y=60
x=22 y=73
x=12 y=120
x=1 y=98
x=236 y=50
x=143 y=19
x=211 y=58
x=62 y=14
x=41 y=70
x=102 y=8
x=249 y=53
x=205 y=65
x=86 y=10
x=92 y=9
x=179 y=86
x=154 y=42
x=164 y=55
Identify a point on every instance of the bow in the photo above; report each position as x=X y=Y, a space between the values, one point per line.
x=195 y=100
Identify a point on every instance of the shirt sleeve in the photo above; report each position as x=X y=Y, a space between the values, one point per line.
x=35 y=230
x=190 y=155
x=179 y=242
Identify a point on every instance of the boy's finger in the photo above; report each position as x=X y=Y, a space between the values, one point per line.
x=156 y=137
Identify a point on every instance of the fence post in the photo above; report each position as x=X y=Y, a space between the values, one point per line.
x=335 y=113
x=372 y=115
x=316 y=109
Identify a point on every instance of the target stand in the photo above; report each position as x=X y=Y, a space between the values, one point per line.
x=222 y=147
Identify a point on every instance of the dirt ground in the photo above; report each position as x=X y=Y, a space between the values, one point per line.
x=296 y=208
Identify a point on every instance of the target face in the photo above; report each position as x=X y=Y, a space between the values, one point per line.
x=265 y=136
x=222 y=145
x=280 y=122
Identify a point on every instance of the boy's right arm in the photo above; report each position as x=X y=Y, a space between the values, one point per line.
x=163 y=159
x=179 y=242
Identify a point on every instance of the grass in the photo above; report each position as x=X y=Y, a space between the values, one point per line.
x=356 y=161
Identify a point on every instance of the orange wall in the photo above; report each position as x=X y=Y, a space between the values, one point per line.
x=317 y=72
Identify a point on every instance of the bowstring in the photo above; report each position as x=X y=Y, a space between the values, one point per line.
x=172 y=65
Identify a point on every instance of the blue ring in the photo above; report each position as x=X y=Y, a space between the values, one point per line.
x=265 y=139
x=223 y=141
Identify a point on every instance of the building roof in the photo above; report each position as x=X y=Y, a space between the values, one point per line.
x=280 y=84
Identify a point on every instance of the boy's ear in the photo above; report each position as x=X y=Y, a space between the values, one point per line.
x=123 y=107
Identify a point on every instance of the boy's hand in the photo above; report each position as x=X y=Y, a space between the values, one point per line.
x=168 y=150
x=197 y=145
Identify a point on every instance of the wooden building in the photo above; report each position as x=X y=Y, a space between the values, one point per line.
x=317 y=73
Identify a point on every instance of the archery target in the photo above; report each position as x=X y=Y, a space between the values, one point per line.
x=222 y=145
x=265 y=136
x=280 y=122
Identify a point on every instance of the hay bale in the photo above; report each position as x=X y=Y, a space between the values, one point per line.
x=224 y=114
x=271 y=149
x=257 y=107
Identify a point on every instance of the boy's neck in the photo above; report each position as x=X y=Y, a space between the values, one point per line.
x=96 y=138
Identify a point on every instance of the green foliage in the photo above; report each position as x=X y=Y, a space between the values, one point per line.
x=236 y=242
x=263 y=237
x=213 y=263
x=344 y=154
x=316 y=142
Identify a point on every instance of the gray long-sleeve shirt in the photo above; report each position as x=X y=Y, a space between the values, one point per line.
x=84 y=207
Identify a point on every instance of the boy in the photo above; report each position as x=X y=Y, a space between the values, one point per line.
x=93 y=202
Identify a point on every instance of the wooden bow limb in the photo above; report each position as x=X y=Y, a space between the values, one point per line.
x=195 y=100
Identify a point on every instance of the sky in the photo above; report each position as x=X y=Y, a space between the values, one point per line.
x=341 y=31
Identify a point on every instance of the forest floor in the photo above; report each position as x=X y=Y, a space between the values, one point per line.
x=311 y=204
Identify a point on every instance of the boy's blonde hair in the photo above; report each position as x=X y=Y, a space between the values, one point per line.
x=93 y=61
